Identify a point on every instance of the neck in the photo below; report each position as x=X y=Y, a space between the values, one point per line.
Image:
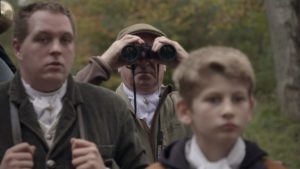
x=214 y=150
x=143 y=91
x=46 y=88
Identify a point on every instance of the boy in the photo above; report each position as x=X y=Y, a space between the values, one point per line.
x=216 y=87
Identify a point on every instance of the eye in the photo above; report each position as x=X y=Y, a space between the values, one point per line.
x=238 y=99
x=42 y=39
x=66 y=39
x=213 y=99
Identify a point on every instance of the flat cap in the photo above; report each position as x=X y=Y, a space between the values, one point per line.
x=140 y=28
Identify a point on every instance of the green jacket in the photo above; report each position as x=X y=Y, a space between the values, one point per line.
x=164 y=119
x=106 y=123
x=165 y=127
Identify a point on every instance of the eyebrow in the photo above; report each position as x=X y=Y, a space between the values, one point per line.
x=49 y=32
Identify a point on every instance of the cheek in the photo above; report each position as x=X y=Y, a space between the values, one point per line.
x=200 y=111
x=201 y=107
x=125 y=74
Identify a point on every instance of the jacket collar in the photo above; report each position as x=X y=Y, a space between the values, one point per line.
x=165 y=90
x=28 y=117
x=253 y=154
x=18 y=94
x=174 y=155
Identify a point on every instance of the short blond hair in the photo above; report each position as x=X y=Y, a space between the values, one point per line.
x=192 y=75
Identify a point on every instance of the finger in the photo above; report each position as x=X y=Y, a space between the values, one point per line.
x=77 y=143
x=77 y=161
x=160 y=41
x=32 y=149
x=22 y=147
x=132 y=39
x=90 y=164
x=21 y=164
x=84 y=159
x=84 y=151
x=19 y=156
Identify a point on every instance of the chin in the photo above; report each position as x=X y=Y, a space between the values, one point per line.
x=230 y=138
x=55 y=78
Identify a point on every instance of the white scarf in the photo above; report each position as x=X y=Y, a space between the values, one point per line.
x=46 y=105
x=197 y=159
x=146 y=104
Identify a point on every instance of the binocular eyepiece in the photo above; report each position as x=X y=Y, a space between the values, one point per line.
x=132 y=52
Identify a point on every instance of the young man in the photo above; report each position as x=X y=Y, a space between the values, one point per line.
x=47 y=119
x=155 y=110
x=216 y=87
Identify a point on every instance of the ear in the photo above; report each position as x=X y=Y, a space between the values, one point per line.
x=183 y=112
x=252 y=104
x=17 y=47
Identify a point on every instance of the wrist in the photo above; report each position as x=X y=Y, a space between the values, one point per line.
x=104 y=62
x=107 y=59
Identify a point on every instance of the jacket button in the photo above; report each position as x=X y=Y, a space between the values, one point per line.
x=48 y=136
x=50 y=164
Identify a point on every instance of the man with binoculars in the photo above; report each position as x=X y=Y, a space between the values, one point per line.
x=141 y=53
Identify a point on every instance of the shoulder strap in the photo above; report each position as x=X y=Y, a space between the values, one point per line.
x=160 y=135
x=270 y=164
x=81 y=123
x=15 y=124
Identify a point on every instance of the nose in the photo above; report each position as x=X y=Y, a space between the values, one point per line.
x=56 y=48
x=143 y=62
x=228 y=109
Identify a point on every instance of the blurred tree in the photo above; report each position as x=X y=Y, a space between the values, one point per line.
x=241 y=24
x=193 y=23
x=284 y=20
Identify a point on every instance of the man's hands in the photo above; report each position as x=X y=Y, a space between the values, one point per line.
x=181 y=53
x=86 y=155
x=112 y=54
x=19 y=156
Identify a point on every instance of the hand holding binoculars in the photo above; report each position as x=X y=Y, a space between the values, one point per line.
x=6 y=16
x=132 y=52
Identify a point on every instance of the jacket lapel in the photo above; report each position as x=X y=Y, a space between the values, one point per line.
x=121 y=93
x=67 y=126
x=65 y=129
x=25 y=109
x=29 y=119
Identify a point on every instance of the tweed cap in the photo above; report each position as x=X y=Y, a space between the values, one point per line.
x=140 y=28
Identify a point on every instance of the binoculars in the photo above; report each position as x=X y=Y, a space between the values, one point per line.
x=132 y=52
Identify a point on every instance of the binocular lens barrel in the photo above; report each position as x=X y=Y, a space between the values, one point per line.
x=167 y=53
x=131 y=53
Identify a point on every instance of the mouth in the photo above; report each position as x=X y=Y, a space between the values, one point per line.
x=229 y=126
x=55 y=65
x=143 y=72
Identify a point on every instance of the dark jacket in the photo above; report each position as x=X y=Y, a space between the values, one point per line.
x=6 y=66
x=7 y=60
x=105 y=118
x=165 y=127
x=5 y=73
x=174 y=158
